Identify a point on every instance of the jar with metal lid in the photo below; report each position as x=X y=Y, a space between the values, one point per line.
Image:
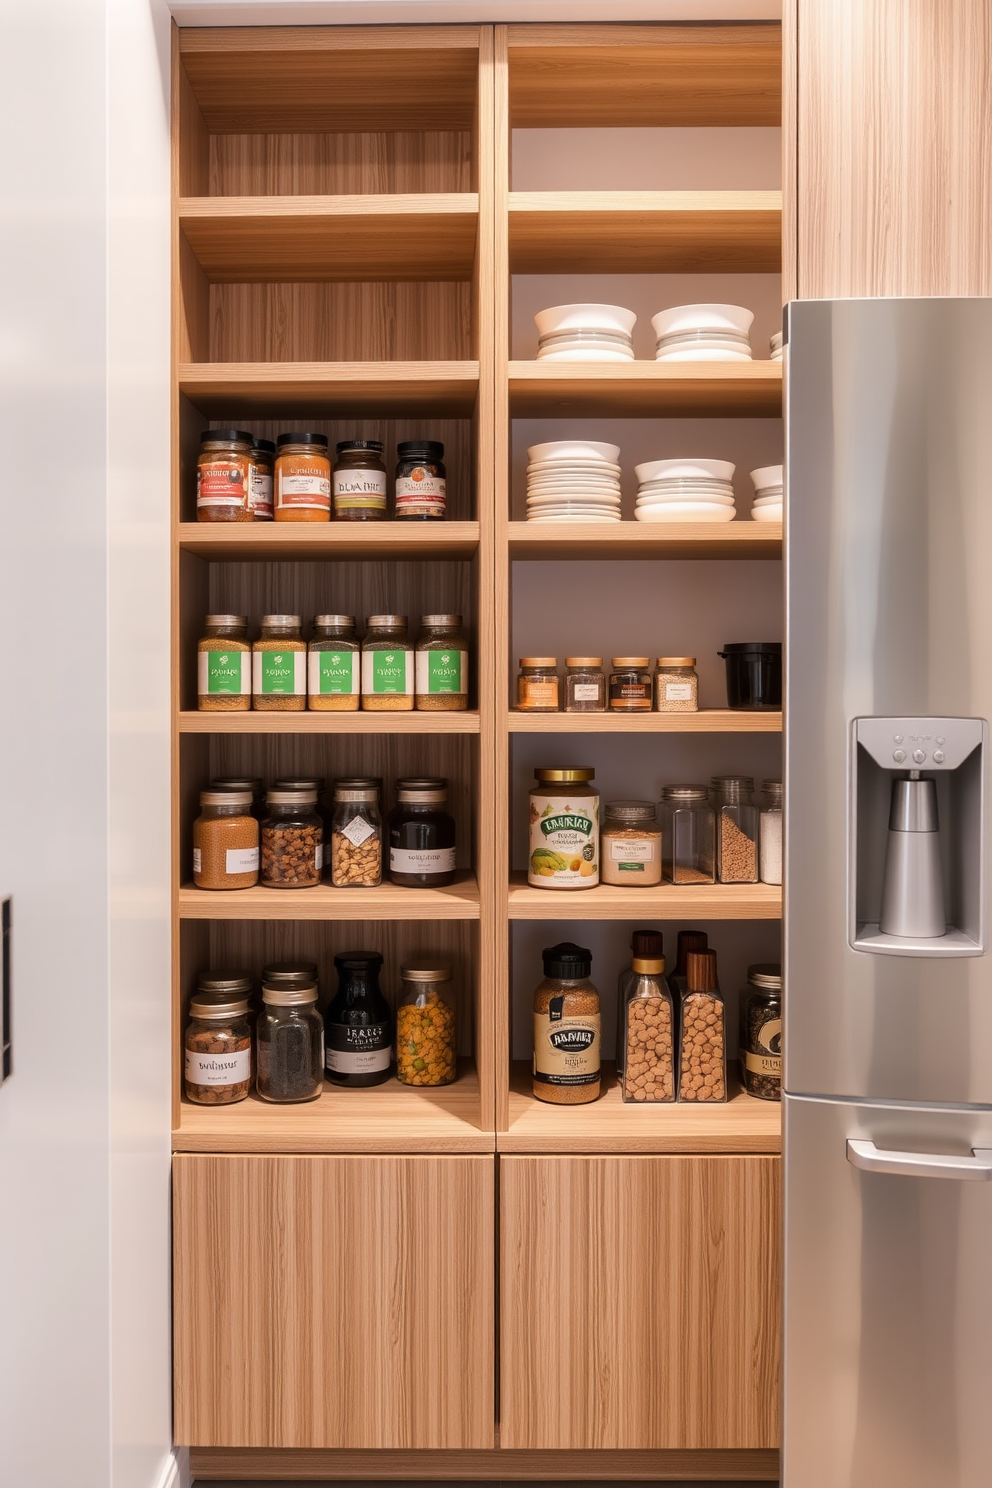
x=222 y=476
x=279 y=666
x=302 y=478
x=290 y=974
x=387 y=666
x=761 y=1041
x=567 y=1029
x=648 y=1034
x=421 y=482
x=585 y=684
x=223 y=665
x=421 y=835
x=426 y=1043
x=359 y=481
x=315 y=783
x=770 y=832
x=289 y=1044
x=736 y=828
x=225 y=842
x=564 y=830
x=688 y=835
x=260 y=476
x=356 y=837
x=334 y=665
x=358 y=1026
x=630 y=684
x=217 y=1047
x=253 y=784
x=630 y=844
x=677 y=685
x=292 y=847
x=702 y=1032
x=537 y=684
x=441 y=665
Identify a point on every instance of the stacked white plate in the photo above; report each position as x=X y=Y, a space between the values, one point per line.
x=775 y=347
x=685 y=491
x=573 y=480
x=703 y=333
x=767 y=494
x=585 y=333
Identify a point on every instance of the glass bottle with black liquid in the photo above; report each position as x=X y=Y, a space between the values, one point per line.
x=358 y=1025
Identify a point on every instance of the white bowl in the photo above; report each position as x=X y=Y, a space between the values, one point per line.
x=682 y=499
x=585 y=318
x=704 y=352
x=685 y=469
x=771 y=513
x=576 y=467
x=585 y=352
x=575 y=449
x=574 y=519
x=688 y=484
x=702 y=318
x=770 y=500
x=684 y=511
x=767 y=475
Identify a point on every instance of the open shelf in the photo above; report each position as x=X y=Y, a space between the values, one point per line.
x=667 y=902
x=331 y=389
x=549 y=389
x=706 y=721
x=566 y=540
x=320 y=722
x=460 y=901
x=237 y=542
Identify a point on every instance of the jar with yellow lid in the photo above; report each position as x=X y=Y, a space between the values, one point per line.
x=631 y=686
x=537 y=684
x=564 y=830
x=677 y=685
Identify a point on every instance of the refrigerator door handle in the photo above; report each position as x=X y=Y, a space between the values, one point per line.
x=872 y=1159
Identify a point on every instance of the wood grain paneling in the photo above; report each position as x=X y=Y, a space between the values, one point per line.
x=667 y=902
x=322 y=389
x=328 y=541
x=337 y=164
x=644 y=1294
x=706 y=721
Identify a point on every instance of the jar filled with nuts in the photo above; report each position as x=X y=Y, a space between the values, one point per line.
x=703 y=1035
x=218 y=1047
x=279 y=666
x=677 y=685
x=387 y=665
x=334 y=669
x=649 y=1034
x=426 y=1048
x=630 y=844
x=292 y=847
x=442 y=665
x=223 y=665
x=314 y=783
x=761 y=1043
x=688 y=835
x=736 y=829
x=356 y=837
x=566 y=1069
x=225 y=841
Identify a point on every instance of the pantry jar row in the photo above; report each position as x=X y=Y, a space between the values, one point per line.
x=628 y=687
x=705 y=835
x=243 y=478
x=334 y=671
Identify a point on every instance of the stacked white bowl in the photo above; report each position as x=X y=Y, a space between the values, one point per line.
x=585 y=333
x=767 y=494
x=685 y=491
x=573 y=480
x=775 y=347
x=703 y=333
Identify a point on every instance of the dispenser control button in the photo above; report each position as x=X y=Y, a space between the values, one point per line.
x=919 y=755
x=898 y=755
x=897 y=738
x=941 y=739
x=938 y=756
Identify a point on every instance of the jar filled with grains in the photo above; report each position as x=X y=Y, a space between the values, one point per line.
x=649 y=1034
x=223 y=665
x=761 y=1042
x=677 y=685
x=566 y=1068
x=585 y=684
x=442 y=665
x=279 y=666
x=770 y=833
x=702 y=1041
x=537 y=684
x=302 y=478
x=421 y=835
x=359 y=481
x=387 y=666
x=334 y=665
x=688 y=835
x=426 y=1046
x=222 y=476
x=217 y=1048
x=225 y=841
x=631 y=686
x=292 y=846
x=260 y=474
x=290 y=1044
x=630 y=844
x=356 y=837
x=736 y=829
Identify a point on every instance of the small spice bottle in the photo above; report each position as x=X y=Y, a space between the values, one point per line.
x=225 y=841
x=218 y=1048
x=358 y=1025
x=677 y=685
x=359 y=481
x=426 y=1045
x=688 y=835
x=630 y=845
x=630 y=684
x=279 y=666
x=564 y=830
x=303 y=478
x=421 y=482
x=289 y=1044
x=770 y=832
x=387 y=665
x=585 y=684
x=736 y=829
x=441 y=665
x=292 y=848
x=222 y=476
x=421 y=835
x=761 y=1045
x=223 y=665
x=537 y=684
x=566 y=1069
x=334 y=665
x=649 y=1034
x=260 y=476
x=702 y=1039
x=356 y=837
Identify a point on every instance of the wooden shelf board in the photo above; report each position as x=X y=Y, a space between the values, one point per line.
x=331 y=389
x=646 y=389
x=741 y=1125
x=706 y=721
x=388 y=902
x=667 y=902
x=566 y=540
x=299 y=239
x=645 y=232
x=237 y=542
x=318 y=722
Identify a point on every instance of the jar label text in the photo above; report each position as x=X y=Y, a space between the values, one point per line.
x=564 y=843
x=422 y=860
x=442 y=672
x=420 y=494
x=566 y=1048
x=678 y=692
x=333 y=672
x=357 y=831
x=279 y=672
x=223 y=672
x=218 y=1069
x=241 y=860
x=387 y=671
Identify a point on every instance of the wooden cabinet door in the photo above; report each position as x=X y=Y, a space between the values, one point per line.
x=334 y=1301
x=640 y=1302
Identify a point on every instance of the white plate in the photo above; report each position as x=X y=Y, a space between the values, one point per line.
x=686 y=488
x=685 y=469
x=545 y=488
x=574 y=493
x=562 y=498
x=767 y=475
x=703 y=354
x=574 y=519
x=578 y=467
x=766 y=514
x=686 y=500
x=702 y=318
x=585 y=318
x=574 y=449
x=686 y=511
x=580 y=353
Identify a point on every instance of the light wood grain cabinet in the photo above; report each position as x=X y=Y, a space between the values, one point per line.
x=639 y=1302
x=334 y=1301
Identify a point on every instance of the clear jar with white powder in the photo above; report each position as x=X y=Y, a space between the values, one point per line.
x=770 y=832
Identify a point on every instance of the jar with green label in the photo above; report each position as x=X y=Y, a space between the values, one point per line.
x=223 y=665
x=564 y=830
x=442 y=665
x=279 y=666
x=334 y=665
x=387 y=665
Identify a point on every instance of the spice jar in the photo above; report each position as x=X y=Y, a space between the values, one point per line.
x=537 y=684
x=761 y=1044
x=420 y=481
x=217 y=1050
x=260 y=474
x=387 y=665
x=630 y=846
x=564 y=830
x=442 y=665
x=359 y=481
x=291 y=840
x=279 y=666
x=702 y=1038
x=426 y=1048
x=225 y=841
x=222 y=476
x=223 y=665
x=630 y=684
x=645 y=945
x=421 y=835
x=770 y=832
x=736 y=829
x=566 y=1068
x=649 y=1033
x=688 y=835
x=677 y=685
x=356 y=837
x=358 y=1027
x=303 y=478
x=585 y=684
x=289 y=1044
x=334 y=668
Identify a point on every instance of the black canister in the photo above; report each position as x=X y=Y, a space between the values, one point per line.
x=754 y=674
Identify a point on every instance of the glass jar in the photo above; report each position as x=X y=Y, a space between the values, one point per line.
x=359 y=481
x=303 y=478
x=421 y=835
x=225 y=841
x=630 y=844
x=279 y=666
x=387 y=666
x=217 y=1049
x=334 y=669
x=223 y=665
x=426 y=1045
x=677 y=685
x=260 y=474
x=630 y=684
x=585 y=684
x=645 y=945
x=649 y=1034
x=736 y=829
x=356 y=838
x=442 y=665
x=537 y=684
x=688 y=835
x=253 y=784
x=702 y=1032
x=770 y=832
x=316 y=784
x=564 y=830
x=289 y=1044
x=222 y=476
x=292 y=847
x=421 y=485
x=688 y=941
x=761 y=1041
x=567 y=1029
x=358 y=1026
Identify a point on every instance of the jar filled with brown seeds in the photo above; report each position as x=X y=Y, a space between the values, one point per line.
x=736 y=828
x=217 y=1049
x=223 y=665
x=356 y=837
x=649 y=1034
x=225 y=841
x=292 y=847
x=703 y=1041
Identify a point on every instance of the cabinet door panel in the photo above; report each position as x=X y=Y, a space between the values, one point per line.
x=334 y=1301
x=640 y=1302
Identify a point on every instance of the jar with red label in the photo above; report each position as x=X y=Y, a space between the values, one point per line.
x=263 y=454
x=302 y=478
x=223 y=475
x=420 y=481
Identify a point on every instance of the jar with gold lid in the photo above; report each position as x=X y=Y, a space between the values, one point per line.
x=564 y=830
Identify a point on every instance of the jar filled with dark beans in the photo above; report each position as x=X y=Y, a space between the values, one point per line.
x=761 y=1042
x=290 y=1043
x=292 y=840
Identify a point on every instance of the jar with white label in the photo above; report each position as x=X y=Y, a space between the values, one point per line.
x=279 y=666
x=564 y=830
x=225 y=841
x=421 y=482
x=289 y=1044
x=358 y=1026
x=217 y=1048
x=441 y=665
x=223 y=665
x=630 y=846
x=356 y=837
x=567 y=1029
x=421 y=835
x=677 y=685
x=334 y=665
x=585 y=684
x=358 y=482
x=222 y=476
x=261 y=468
x=387 y=666
x=302 y=478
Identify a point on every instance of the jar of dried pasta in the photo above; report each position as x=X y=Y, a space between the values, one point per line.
x=302 y=478
x=566 y=1068
x=426 y=1046
x=387 y=665
x=630 y=684
x=630 y=845
x=217 y=1049
x=279 y=666
x=677 y=685
x=223 y=665
x=537 y=684
x=223 y=475
x=225 y=841
x=334 y=671
x=442 y=665
x=260 y=477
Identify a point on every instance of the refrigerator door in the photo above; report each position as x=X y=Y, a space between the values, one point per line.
x=889 y=598
x=888 y=1277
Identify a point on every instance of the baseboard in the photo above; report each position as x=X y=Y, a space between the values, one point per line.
x=176 y=1471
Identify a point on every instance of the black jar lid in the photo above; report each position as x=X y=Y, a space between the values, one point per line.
x=358 y=961
x=320 y=440
x=407 y=449
x=375 y=445
x=739 y=648
x=241 y=436
x=567 y=961
x=268 y=445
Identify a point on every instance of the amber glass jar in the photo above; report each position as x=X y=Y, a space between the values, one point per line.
x=334 y=665
x=567 y=1028
x=223 y=475
x=537 y=684
x=260 y=475
x=223 y=665
x=225 y=841
x=303 y=478
x=359 y=481
x=630 y=684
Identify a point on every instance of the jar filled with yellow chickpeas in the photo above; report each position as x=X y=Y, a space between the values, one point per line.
x=426 y=1043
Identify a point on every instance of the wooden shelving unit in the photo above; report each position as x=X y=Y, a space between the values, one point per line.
x=392 y=389
x=329 y=723
x=543 y=540
x=645 y=389
x=276 y=541
x=668 y=902
x=706 y=721
x=460 y=901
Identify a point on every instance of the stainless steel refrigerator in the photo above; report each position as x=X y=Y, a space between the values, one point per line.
x=888 y=980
